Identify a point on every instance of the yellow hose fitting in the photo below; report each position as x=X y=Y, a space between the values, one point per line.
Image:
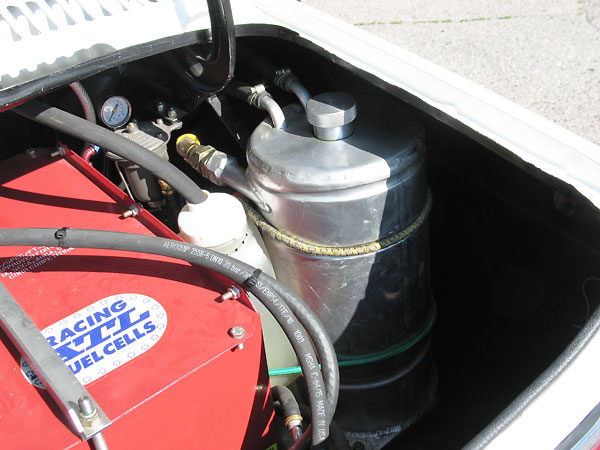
x=187 y=139
x=189 y=148
x=165 y=188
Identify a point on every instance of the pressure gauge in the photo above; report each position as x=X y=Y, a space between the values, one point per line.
x=115 y=111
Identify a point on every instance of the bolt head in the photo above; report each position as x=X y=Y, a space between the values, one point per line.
x=233 y=293
x=237 y=332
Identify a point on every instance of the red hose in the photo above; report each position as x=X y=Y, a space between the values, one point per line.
x=88 y=153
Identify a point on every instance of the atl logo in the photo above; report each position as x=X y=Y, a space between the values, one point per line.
x=105 y=335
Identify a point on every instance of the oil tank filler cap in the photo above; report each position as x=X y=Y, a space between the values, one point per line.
x=331 y=115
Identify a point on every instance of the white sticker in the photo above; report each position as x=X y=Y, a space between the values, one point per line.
x=29 y=260
x=104 y=335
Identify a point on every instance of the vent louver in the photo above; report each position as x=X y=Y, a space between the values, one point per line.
x=42 y=37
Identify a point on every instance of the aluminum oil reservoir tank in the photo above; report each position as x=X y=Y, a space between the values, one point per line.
x=344 y=212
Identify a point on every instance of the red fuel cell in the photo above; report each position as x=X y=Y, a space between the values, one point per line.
x=145 y=334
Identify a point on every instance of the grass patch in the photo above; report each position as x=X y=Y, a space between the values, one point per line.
x=400 y=22
x=374 y=22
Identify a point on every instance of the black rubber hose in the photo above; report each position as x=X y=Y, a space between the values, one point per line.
x=86 y=104
x=288 y=81
x=239 y=90
x=85 y=100
x=286 y=405
x=337 y=438
x=90 y=132
x=287 y=401
x=262 y=287
x=320 y=337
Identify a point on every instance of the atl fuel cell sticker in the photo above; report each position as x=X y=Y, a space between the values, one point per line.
x=104 y=335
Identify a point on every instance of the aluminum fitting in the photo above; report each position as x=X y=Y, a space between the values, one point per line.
x=213 y=165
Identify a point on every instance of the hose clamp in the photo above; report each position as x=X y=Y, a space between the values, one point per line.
x=251 y=281
x=283 y=76
x=60 y=236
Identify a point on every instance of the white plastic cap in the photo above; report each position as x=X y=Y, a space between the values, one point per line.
x=218 y=223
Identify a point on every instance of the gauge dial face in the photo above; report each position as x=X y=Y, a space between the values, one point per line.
x=115 y=111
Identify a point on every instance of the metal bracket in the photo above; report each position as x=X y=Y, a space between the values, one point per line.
x=81 y=411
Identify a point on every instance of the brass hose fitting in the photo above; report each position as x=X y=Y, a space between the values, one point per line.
x=189 y=148
x=293 y=421
x=165 y=188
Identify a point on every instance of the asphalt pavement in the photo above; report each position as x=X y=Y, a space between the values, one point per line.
x=544 y=54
